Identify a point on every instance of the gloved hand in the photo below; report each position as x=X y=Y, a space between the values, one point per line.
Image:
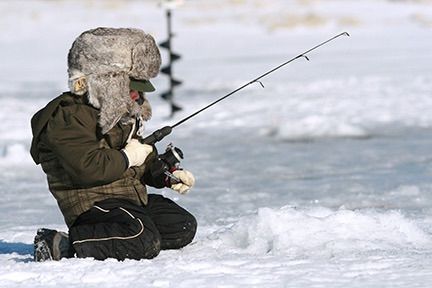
x=187 y=181
x=136 y=152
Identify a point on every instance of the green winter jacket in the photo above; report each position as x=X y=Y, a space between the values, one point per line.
x=82 y=165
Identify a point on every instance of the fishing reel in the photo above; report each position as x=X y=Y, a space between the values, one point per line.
x=163 y=166
x=172 y=157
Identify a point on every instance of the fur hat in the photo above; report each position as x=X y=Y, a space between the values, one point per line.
x=101 y=62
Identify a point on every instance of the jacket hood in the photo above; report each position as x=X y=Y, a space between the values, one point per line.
x=40 y=120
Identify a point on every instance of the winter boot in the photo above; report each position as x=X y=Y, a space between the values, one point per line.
x=51 y=245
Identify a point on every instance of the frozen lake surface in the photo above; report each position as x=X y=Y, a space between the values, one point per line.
x=321 y=179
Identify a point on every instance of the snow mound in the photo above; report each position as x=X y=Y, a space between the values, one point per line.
x=321 y=231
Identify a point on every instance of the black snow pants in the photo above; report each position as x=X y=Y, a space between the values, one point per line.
x=118 y=228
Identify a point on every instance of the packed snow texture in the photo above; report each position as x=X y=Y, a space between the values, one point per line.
x=319 y=179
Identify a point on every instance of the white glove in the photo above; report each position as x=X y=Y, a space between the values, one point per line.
x=137 y=152
x=187 y=181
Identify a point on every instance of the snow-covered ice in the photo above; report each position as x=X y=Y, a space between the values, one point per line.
x=321 y=179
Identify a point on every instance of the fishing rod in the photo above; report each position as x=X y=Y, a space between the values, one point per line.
x=159 y=134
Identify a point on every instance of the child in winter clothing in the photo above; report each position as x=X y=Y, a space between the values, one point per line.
x=87 y=142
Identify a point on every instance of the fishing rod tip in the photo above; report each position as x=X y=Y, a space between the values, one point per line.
x=346 y=34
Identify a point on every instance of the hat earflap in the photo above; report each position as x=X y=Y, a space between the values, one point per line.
x=110 y=94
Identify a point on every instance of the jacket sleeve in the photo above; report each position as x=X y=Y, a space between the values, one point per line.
x=72 y=136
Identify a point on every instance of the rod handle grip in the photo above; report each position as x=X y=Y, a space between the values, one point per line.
x=157 y=135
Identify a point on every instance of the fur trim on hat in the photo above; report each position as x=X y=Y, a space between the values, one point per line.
x=100 y=63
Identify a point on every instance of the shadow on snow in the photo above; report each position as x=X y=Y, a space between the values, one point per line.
x=19 y=248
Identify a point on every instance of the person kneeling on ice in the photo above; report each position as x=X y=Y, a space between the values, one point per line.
x=87 y=142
